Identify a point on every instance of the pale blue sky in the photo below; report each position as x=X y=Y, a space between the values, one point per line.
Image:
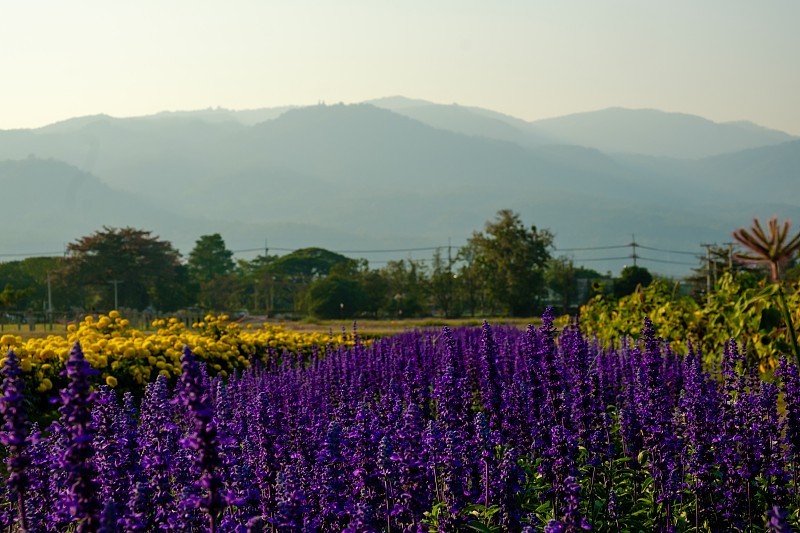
x=722 y=59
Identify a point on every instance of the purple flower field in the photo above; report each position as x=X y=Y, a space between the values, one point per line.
x=474 y=429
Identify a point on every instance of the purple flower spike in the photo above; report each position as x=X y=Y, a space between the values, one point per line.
x=202 y=438
x=777 y=521
x=80 y=501
x=15 y=431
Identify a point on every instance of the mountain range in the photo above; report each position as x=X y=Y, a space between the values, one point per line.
x=399 y=174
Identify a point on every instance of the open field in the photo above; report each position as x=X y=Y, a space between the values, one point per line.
x=367 y=328
x=381 y=328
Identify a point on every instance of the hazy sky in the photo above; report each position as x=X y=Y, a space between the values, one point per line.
x=722 y=59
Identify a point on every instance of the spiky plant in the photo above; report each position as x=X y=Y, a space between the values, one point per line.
x=774 y=249
x=770 y=248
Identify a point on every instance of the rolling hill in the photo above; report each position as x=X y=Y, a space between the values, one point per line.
x=398 y=174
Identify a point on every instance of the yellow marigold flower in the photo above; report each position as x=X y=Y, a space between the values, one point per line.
x=45 y=385
x=165 y=373
x=25 y=365
x=113 y=314
x=8 y=340
x=111 y=381
x=152 y=360
x=124 y=322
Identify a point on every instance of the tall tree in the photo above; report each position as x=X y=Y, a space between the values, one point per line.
x=142 y=269
x=209 y=259
x=406 y=281
x=442 y=283
x=511 y=260
x=292 y=274
x=562 y=278
x=211 y=270
x=629 y=278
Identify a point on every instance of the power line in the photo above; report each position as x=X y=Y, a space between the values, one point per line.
x=665 y=261
x=393 y=250
x=592 y=248
x=663 y=250
x=427 y=249
x=602 y=259
x=31 y=254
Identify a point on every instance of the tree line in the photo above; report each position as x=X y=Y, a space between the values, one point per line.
x=506 y=269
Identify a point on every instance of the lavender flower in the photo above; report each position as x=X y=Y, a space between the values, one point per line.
x=14 y=433
x=777 y=521
x=80 y=501
x=202 y=439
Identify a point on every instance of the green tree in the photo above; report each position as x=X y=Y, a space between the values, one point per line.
x=25 y=284
x=630 y=278
x=471 y=293
x=143 y=269
x=256 y=283
x=510 y=260
x=336 y=296
x=561 y=277
x=211 y=270
x=407 y=286
x=376 y=288
x=442 y=284
x=209 y=259
x=292 y=275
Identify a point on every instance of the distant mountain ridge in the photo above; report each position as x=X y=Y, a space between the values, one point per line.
x=616 y=130
x=396 y=173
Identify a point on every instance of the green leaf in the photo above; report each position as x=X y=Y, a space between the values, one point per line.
x=477 y=526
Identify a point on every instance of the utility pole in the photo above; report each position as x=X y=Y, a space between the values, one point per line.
x=49 y=295
x=708 y=269
x=730 y=255
x=49 y=302
x=449 y=259
x=633 y=249
x=116 y=282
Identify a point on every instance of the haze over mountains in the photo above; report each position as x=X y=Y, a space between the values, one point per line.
x=397 y=173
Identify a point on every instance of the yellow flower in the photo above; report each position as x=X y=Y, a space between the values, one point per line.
x=114 y=314
x=8 y=340
x=111 y=381
x=45 y=385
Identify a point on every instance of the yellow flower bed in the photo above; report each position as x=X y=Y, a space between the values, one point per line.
x=127 y=358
